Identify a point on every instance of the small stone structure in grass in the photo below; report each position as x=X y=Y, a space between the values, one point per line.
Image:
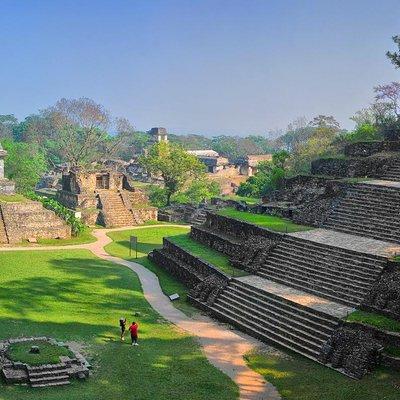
x=55 y=368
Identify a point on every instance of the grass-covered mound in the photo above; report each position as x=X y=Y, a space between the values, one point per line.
x=12 y=198
x=219 y=260
x=377 y=320
x=298 y=378
x=277 y=224
x=71 y=295
x=49 y=353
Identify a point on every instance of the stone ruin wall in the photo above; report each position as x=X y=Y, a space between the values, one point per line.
x=363 y=159
x=25 y=220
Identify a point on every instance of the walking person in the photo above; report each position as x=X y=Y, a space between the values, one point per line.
x=134 y=333
x=122 y=324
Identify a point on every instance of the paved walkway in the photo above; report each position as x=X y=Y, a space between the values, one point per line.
x=349 y=242
x=298 y=296
x=224 y=348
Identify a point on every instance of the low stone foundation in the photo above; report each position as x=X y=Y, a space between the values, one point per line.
x=57 y=374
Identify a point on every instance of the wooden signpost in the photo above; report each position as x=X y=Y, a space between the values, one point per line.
x=133 y=243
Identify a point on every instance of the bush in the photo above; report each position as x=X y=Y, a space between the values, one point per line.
x=363 y=133
x=77 y=226
x=158 y=196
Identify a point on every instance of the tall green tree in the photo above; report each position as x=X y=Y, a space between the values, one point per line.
x=173 y=164
x=25 y=163
x=394 y=56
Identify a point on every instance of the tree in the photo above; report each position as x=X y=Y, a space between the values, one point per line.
x=267 y=178
x=325 y=121
x=394 y=57
x=173 y=164
x=7 y=124
x=298 y=132
x=199 y=190
x=79 y=129
x=390 y=95
x=24 y=164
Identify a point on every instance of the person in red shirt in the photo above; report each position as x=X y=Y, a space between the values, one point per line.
x=134 y=333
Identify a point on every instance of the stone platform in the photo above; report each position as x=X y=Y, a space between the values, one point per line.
x=46 y=375
x=346 y=241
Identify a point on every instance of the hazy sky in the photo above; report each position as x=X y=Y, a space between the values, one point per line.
x=198 y=66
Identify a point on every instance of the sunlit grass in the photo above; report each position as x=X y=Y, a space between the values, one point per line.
x=149 y=239
x=298 y=378
x=266 y=221
x=378 y=320
x=71 y=295
x=214 y=257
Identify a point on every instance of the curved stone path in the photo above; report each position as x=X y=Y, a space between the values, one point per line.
x=224 y=348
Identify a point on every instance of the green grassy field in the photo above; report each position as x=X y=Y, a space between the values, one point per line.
x=248 y=200
x=277 y=224
x=219 y=260
x=149 y=239
x=12 y=198
x=73 y=296
x=380 y=321
x=298 y=378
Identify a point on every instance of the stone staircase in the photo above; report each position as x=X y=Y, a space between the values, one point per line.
x=341 y=275
x=200 y=214
x=368 y=210
x=29 y=219
x=46 y=376
x=117 y=210
x=270 y=317
x=393 y=173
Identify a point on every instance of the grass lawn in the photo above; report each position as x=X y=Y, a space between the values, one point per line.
x=248 y=200
x=380 y=321
x=83 y=238
x=149 y=239
x=12 y=198
x=73 y=296
x=215 y=258
x=49 y=353
x=297 y=378
x=277 y=224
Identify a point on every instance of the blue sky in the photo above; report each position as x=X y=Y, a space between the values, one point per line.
x=198 y=66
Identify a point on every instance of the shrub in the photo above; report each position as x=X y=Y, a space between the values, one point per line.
x=363 y=133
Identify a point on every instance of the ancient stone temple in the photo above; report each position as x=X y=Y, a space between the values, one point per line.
x=158 y=135
x=6 y=186
x=105 y=198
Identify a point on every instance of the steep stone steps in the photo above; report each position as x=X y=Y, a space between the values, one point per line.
x=330 y=263
x=116 y=213
x=340 y=275
x=364 y=261
x=329 y=275
x=274 y=319
x=393 y=173
x=368 y=210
